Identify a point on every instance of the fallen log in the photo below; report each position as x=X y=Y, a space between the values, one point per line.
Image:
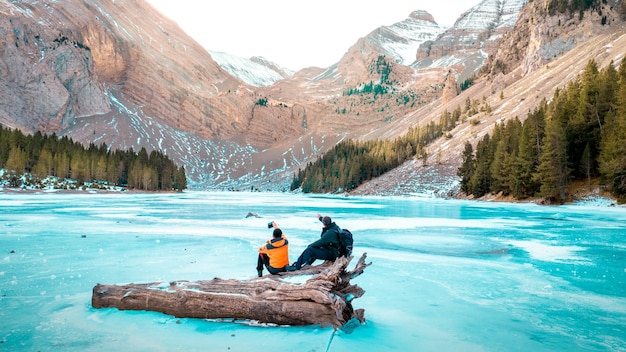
x=324 y=299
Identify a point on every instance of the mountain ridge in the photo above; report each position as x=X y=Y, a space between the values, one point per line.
x=255 y=71
x=149 y=85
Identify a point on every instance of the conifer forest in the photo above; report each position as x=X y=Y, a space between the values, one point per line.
x=27 y=159
x=579 y=135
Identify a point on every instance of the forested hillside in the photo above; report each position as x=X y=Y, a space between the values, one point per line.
x=579 y=135
x=351 y=162
x=27 y=159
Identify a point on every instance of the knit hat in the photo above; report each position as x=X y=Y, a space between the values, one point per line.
x=326 y=220
x=277 y=232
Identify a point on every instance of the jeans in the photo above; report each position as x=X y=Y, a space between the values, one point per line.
x=310 y=254
x=264 y=260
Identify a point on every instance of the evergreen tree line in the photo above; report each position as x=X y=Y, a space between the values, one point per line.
x=40 y=156
x=579 y=135
x=351 y=162
x=369 y=88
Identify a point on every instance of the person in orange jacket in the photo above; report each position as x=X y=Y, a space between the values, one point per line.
x=274 y=254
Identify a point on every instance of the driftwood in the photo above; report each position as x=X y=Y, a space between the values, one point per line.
x=324 y=299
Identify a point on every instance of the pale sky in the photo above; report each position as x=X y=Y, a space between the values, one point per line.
x=296 y=34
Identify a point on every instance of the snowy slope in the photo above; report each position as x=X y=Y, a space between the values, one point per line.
x=490 y=14
x=255 y=71
x=510 y=12
x=472 y=38
x=402 y=39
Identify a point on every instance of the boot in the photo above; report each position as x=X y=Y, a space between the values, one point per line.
x=290 y=268
x=260 y=272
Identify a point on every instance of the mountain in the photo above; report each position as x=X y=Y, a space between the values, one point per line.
x=255 y=71
x=121 y=73
x=473 y=37
x=402 y=39
x=541 y=53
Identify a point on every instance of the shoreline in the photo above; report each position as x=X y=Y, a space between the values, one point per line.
x=591 y=198
x=78 y=191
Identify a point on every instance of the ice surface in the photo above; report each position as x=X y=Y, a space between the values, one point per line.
x=447 y=275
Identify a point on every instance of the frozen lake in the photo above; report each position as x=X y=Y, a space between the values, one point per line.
x=447 y=275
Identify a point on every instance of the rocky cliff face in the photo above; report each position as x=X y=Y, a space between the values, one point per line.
x=47 y=76
x=539 y=37
x=473 y=37
x=74 y=53
x=112 y=72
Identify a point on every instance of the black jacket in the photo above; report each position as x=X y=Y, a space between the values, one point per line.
x=329 y=239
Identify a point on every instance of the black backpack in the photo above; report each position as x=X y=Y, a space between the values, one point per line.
x=345 y=243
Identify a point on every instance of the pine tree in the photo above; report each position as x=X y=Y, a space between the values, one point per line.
x=552 y=171
x=466 y=171
x=79 y=166
x=62 y=165
x=167 y=178
x=112 y=169
x=585 y=124
x=135 y=175
x=607 y=92
x=480 y=183
x=586 y=163
x=45 y=165
x=180 y=180
x=503 y=167
x=529 y=151
x=17 y=160
x=612 y=159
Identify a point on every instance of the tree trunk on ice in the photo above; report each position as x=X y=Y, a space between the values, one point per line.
x=324 y=299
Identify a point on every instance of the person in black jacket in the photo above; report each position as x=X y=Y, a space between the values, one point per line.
x=326 y=248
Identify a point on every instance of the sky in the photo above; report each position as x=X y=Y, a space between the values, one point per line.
x=296 y=34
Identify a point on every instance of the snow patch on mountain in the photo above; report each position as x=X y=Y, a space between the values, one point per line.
x=402 y=39
x=474 y=35
x=490 y=14
x=255 y=71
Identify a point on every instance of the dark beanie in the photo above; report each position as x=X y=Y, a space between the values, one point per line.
x=326 y=220
x=278 y=232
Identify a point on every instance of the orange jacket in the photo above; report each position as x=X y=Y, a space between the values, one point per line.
x=278 y=251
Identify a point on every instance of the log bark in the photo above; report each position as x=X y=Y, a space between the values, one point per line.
x=324 y=299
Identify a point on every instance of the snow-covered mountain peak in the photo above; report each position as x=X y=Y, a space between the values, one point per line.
x=472 y=38
x=422 y=15
x=256 y=71
x=402 y=39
